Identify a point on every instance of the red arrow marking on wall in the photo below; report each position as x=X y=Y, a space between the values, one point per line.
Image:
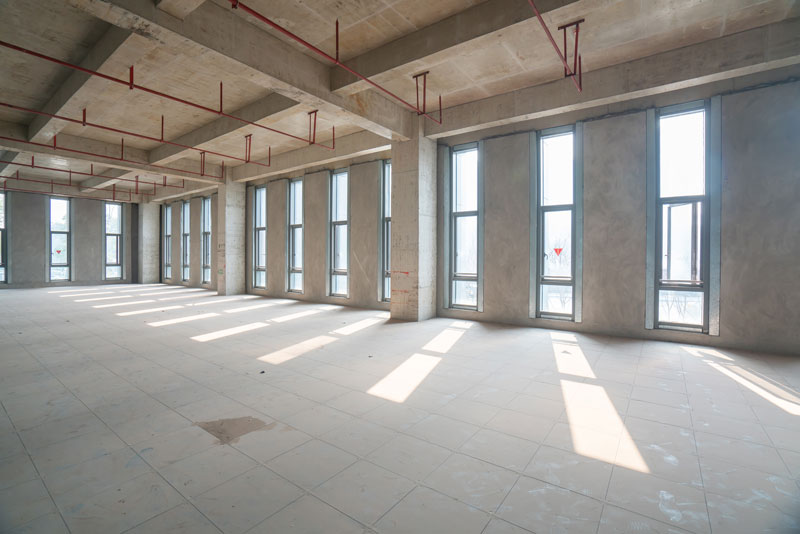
x=558 y=251
x=58 y=252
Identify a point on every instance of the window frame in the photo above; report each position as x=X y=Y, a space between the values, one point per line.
x=256 y=229
x=50 y=233
x=450 y=229
x=186 y=236
x=709 y=220
x=167 y=237
x=290 y=244
x=385 y=233
x=4 y=239
x=119 y=240
x=537 y=217
x=332 y=227
x=205 y=239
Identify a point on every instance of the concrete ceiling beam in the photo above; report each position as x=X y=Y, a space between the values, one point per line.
x=454 y=31
x=348 y=147
x=761 y=49
x=85 y=150
x=261 y=57
x=178 y=8
x=164 y=195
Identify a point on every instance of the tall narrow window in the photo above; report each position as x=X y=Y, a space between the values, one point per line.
x=296 y=235
x=386 y=232
x=185 y=241
x=3 y=239
x=558 y=241
x=60 y=254
x=260 y=237
x=167 y=241
x=339 y=249
x=206 y=234
x=113 y=241
x=464 y=227
x=682 y=219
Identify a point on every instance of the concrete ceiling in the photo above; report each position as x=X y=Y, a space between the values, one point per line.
x=514 y=57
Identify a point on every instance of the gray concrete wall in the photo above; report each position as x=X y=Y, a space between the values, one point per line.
x=364 y=191
x=28 y=255
x=149 y=242
x=760 y=296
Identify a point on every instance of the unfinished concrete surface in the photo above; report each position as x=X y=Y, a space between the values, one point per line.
x=373 y=397
x=335 y=419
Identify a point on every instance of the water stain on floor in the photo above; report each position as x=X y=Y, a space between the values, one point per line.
x=230 y=430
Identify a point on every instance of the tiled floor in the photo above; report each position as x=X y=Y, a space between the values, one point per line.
x=376 y=426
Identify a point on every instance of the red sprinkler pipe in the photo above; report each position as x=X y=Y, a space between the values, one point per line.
x=55 y=146
x=53 y=184
x=131 y=85
x=32 y=165
x=84 y=122
x=236 y=4
x=568 y=71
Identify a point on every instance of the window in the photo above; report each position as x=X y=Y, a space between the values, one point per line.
x=185 y=237
x=465 y=229
x=339 y=249
x=206 y=234
x=113 y=240
x=679 y=219
x=260 y=237
x=386 y=232
x=558 y=224
x=167 y=241
x=295 y=253
x=3 y=239
x=60 y=253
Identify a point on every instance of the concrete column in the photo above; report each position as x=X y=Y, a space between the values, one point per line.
x=231 y=241
x=149 y=242
x=414 y=228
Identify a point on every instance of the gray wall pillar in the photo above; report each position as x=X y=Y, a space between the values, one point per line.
x=231 y=241
x=414 y=228
x=149 y=243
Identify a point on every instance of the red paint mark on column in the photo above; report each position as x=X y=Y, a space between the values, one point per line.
x=558 y=251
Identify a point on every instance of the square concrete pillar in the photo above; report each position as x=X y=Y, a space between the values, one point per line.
x=231 y=203
x=149 y=241
x=414 y=228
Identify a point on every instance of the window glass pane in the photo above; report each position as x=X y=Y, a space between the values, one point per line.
x=2 y=274
x=186 y=219
x=681 y=241
x=58 y=249
x=206 y=248
x=340 y=246
x=261 y=248
x=465 y=292
x=59 y=273
x=59 y=214
x=387 y=190
x=2 y=210
x=466 y=252
x=684 y=307
x=261 y=279
x=261 y=207
x=296 y=202
x=557 y=166
x=339 y=197
x=387 y=245
x=558 y=243
x=168 y=220
x=207 y=214
x=556 y=299
x=2 y=258
x=113 y=219
x=465 y=183
x=682 y=154
x=387 y=287
x=296 y=281
x=186 y=251
x=297 y=248
x=339 y=284
x=113 y=272
x=112 y=249
x=206 y=274
x=167 y=271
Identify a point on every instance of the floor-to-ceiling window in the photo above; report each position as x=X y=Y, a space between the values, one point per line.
x=206 y=237
x=260 y=237
x=167 y=237
x=295 y=238
x=60 y=239
x=113 y=241
x=465 y=228
x=386 y=231
x=339 y=232
x=185 y=241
